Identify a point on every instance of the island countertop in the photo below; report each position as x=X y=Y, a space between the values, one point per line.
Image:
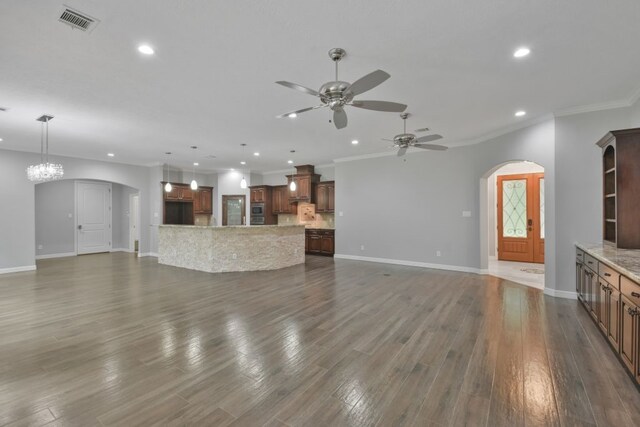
x=217 y=249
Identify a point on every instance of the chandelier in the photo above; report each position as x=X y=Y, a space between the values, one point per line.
x=44 y=171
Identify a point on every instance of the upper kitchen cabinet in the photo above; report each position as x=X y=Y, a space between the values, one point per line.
x=202 y=200
x=259 y=194
x=178 y=192
x=306 y=181
x=325 y=197
x=621 y=187
x=280 y=201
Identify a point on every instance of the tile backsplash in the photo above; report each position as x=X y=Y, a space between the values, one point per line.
x=320 y=220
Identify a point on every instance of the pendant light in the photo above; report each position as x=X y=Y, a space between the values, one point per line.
x=194 y=183
x=292 y=185
x=167 y=186
x=44 y=171
x=243 y=182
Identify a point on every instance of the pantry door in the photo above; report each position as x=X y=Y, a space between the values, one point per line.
x=93 y=216
x=521 y=217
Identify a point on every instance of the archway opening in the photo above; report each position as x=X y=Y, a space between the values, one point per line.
x=513 y=224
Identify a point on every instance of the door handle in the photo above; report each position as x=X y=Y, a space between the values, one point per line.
x=635 y=294
x=79 y=227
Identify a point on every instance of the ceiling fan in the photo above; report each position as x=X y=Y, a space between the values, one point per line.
x=338 y=94
x=406 y=140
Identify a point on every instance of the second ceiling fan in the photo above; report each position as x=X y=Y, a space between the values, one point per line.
x=338 y=94
x=405 y=140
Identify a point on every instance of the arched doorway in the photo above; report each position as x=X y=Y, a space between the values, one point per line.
x=513 y=227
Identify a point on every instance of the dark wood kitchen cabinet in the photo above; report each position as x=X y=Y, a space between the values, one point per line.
x=202 y=199
x=325 y=197
x=621 y=187
x=178 y=192
x=280 y=201
x=319 y=241
x=305 y=187
x=259 y=194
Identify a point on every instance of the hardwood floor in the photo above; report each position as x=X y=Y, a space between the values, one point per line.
x=110 y=339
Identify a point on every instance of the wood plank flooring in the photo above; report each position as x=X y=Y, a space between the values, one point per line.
x=111 y=339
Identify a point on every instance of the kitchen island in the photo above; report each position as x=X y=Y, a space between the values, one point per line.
x=231 y=248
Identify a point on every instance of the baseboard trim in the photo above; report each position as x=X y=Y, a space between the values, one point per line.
x=153 y=254
x=410 y=263
x=17 y=269
x=60 y=255
x=560 y=294
x=122 y=250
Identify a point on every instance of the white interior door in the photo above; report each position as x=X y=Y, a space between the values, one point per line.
x=93 y=213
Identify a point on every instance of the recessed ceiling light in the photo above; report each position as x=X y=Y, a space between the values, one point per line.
x=290 y=161
x=521 y=52
x=146 y=49
x=256 y=154
x=520 y=113
x=1 y=139
x=110 y=154
x=354 y=142
x=196 y=164
x=243 y=162
x=293 y=115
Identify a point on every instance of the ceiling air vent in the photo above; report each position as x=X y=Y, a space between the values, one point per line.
x=77 y=20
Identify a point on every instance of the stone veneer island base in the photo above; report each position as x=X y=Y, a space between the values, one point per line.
x=212 y=249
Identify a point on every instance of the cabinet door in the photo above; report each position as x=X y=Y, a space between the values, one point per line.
x=186 y=193
x=331 y=198
x=603 y=296
x=326 y=244
x=579 y=280
x=628 y=333
x=303 y=190
x=315 y=244
x=205 y=201
x=614 y=316
x=306 y=242
x=197 y=202
x=174 y=194
x=275 y=200
x=321 y=198
x=293 y=195
x=260 y=195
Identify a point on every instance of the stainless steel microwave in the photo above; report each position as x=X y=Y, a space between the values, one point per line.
x=257 y=209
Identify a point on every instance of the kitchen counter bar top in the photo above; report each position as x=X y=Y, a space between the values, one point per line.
x=626 y=261
x=218 y=249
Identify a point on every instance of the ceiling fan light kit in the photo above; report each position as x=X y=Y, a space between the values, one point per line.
x=339 y=94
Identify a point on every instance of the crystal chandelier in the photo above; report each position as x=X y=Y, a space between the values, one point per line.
x=44 y=171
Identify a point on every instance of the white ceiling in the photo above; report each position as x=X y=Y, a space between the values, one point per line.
x=211 y=82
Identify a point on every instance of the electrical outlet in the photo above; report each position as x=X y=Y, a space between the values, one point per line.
x=341 y=213
x=234 y=256
x=438 y=253
x=466 y=214
x=362 y=247
x=69 y=215
x=39 y=246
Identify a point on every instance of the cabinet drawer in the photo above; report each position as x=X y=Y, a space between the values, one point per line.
x=591 y=262
x=609 y=274
x=579 y=255
x=630 y=289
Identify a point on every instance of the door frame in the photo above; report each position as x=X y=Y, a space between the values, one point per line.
x=132 y=217
x=533 y=215
x=243 y=198
x=75 y=202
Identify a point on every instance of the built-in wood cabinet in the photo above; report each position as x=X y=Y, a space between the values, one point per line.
x=305 y=187
x=319 y=241
x=621 y=187
x=613 y=300
x=280 y=201
x=325 y=197
x=258 y=194
x=202 y=201
x=181 y=204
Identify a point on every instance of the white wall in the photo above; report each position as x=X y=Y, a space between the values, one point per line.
x=508 y=169
x=55 y=231
x=17 y=219
x=410 y=207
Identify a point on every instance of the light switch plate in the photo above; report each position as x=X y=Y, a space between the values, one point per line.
x=466 y=214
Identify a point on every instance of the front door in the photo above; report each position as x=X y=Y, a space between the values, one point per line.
x=93 y=214
x=233 y=210
x=521 y=217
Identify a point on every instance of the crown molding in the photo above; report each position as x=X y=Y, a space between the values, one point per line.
x=602 y=106
x=288 y=170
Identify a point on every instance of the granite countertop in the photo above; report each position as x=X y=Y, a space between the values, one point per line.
x=320 y=228
x=627 y=261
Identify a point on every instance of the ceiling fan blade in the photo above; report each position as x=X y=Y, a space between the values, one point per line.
x=422 y=130
x=340 y=119
x=300 y=111
x=295 y=86
x=391 y=107
x=402 y=151
x=429 y=138
x=368 y=82
x=431 y=147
